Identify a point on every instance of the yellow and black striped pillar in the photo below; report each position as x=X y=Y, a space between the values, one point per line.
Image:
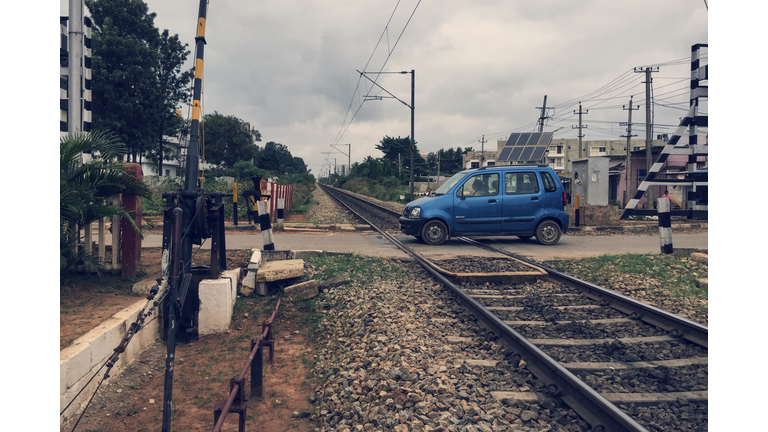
x=193 y=153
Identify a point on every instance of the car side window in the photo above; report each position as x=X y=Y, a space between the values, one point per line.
x=521 y=183
x=549 y=182
x=481 y=185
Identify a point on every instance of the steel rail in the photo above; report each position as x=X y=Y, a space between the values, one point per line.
x=679 y=326
x=601 y=414
x=373 y=204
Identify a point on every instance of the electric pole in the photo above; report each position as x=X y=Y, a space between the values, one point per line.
x=648 y=128
x=412 y=106
x=628 y=177
x=543 y=116
x=482 y=150
x=581 y=135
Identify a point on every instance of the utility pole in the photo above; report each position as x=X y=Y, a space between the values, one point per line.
x=648 y=128
x=438 y=166
x=348 y=154
x=413 y=138
x=628 y=177
x=543 y=116
x=580 y=127
x=75 y=59
x=412 y=106
x=482 y=150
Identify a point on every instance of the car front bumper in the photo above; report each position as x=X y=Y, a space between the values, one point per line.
x=410 y=226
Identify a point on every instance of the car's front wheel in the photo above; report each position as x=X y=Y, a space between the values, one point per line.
x=434 y=232
x=548 y=233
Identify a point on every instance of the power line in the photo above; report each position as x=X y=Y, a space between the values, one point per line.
x=389 y=54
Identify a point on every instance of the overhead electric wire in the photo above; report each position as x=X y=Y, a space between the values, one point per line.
x=343 y=129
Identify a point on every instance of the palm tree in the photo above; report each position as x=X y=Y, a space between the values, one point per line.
x=84 y=187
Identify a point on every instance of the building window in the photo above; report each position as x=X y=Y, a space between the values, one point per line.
x=491 y=163
x=636 y=148
x=167 y=173
x=559 y=149
x=475 y=165
x=601 y=149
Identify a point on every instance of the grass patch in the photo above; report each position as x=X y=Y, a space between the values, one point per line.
x=359 y=268
x=674 y=274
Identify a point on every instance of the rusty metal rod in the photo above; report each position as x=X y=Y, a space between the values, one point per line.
x=236 y=387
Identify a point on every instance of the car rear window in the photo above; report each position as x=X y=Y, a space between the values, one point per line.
x=521 y=183
x=549 y=182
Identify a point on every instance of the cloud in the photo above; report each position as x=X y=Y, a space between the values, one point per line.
x=481 y=67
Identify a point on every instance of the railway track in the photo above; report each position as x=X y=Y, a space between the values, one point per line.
x=620 y=364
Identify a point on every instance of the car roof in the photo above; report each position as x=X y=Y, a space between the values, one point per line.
x=508 y=167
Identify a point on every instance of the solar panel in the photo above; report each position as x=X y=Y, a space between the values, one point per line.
x=524 y=139
x=504 y=155
x=512 y=139
x=526 y=146
x=526 y=154
x=538 y=152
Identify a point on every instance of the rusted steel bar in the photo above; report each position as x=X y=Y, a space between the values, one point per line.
x=237 y=386
x=177 y=218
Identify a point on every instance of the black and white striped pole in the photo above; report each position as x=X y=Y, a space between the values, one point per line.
x=265 y=225
x=280 y=213
x=665 y=226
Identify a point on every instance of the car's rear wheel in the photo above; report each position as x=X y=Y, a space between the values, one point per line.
x=548 y=233
x=434 y=232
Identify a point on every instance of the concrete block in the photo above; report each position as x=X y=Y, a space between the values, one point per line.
x=249 y=283
x=700 y=257
x=87 y=354
x=262 y=288
x=215 y=306
x=302 y=291
x=304 y=254
x=274 y=255
x=234 y=276
x=280 y=270
x=255 y=260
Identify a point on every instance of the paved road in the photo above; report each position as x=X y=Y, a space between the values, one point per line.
x=373 y=244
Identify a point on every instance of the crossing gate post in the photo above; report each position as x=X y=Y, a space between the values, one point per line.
x=280 y=213
x=665 y=226
x=265 y=225
x=576 y=212
x=234 y=203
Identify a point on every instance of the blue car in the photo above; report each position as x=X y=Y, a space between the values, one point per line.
x=519 y=200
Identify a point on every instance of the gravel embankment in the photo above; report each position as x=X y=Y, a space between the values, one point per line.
x=386 y=363
x=328 y=211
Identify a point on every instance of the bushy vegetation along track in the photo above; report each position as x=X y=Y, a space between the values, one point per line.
x=620 y=364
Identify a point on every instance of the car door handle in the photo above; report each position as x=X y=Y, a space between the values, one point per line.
x=534 y=198
x=491 y=200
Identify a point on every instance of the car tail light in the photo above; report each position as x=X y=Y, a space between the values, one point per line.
x=565 y=199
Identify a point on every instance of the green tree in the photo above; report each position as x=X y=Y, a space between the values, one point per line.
x=84 y=186
x=172 y=90
x=276 y=158
x=228 y=139
x=124 y=62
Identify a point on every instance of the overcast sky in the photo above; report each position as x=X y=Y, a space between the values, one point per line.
x=482 y=68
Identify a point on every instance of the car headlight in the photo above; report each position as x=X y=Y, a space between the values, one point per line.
x=415 y=213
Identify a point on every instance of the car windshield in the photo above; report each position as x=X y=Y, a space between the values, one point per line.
x=442 y=190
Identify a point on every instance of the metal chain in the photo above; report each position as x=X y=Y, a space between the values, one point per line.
x=132 y=330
